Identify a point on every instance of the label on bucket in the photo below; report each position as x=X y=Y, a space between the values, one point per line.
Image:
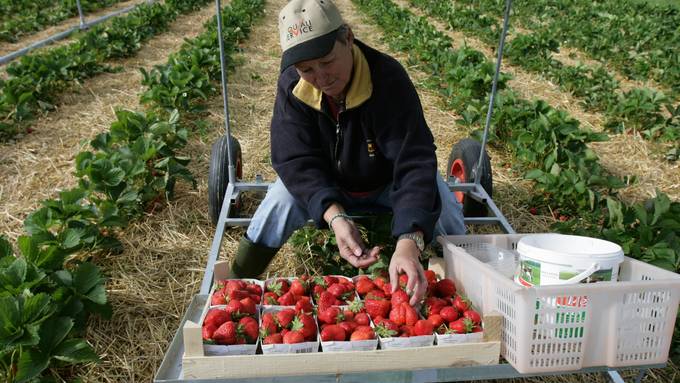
x=533 y=273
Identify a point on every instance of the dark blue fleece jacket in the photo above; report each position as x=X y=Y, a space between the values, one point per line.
x=380 y=138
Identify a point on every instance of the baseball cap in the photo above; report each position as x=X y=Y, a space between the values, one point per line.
x=307 y=30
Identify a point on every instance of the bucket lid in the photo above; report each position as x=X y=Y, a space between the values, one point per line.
x=548 y=246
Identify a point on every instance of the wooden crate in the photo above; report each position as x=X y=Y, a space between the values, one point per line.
x=196 y=365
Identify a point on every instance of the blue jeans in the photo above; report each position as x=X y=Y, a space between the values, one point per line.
x=279 y=214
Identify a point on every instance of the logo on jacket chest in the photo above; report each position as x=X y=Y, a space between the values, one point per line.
x=298 y=29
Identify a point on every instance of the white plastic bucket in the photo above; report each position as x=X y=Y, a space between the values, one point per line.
x=558 y=259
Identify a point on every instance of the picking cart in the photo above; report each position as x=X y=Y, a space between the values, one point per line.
x=469 y=177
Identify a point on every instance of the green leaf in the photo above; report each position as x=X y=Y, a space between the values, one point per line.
x=75 y=351
x=615 y=213
x=31 y=364
x=36 y=308
x=10 y=317
x=533 y=174
x=72 y=238
x=661 y=206
x=53 y=332
x=97 y=295
x=15 y=274
x=86 y=277
x=28 y=248
x=5 y=247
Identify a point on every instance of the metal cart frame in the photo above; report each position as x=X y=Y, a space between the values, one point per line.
x=170 y=368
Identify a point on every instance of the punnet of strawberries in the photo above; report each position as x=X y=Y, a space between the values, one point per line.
x=345 y=323
x=443 y=311
x=286 y=291
x=288 y=326
x=231 y=325
x=235 y=289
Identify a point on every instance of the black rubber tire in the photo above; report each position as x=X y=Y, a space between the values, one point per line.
x=466 y=152
x=218 y=176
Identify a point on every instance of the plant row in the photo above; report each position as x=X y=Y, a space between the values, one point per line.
x=546 y=142
x=34 y=16
x=50 y=288
x=35 y=82
x=638 y=39
x=640 y=109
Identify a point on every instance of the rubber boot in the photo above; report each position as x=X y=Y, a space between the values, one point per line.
x=251 y=259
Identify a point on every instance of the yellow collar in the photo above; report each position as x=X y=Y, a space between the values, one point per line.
x=359 y=90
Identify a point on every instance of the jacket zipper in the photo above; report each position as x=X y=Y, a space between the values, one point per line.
x=338 y=138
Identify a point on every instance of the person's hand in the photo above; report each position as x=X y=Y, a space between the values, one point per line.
x=406 y=260
x=350 y=245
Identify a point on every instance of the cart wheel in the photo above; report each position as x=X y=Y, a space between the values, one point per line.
x=218 y=177
x=462 y=167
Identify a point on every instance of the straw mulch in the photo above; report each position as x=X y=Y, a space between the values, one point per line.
x=24 y=41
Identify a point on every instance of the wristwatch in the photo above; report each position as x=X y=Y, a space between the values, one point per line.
x=415 y=237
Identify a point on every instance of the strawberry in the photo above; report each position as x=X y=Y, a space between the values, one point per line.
x=337 y=289
x=431 y=277
x=293 y=337
x=299 y=287
x=304 y=305
x=270 y=298
x=254 y=289
x=476 y=328
x=399 y=297
x=362 y=333
x=406 y=330
x=436 y=320
x=449 y=314
x=235 y=309
x=256 y=298
x=410 y=314
x=423 y=327
x=217 y=298
x=387 y=290
x=249 y=306
x=329 y=280
x=285 y=317
x=307 y=326
x=461 y=303
x=445 y=288
x=317 y=290
x=362 y=319
x=269 y=323
x=376 y=294
x=207 y=331
x=460 y=326
x=249 y=328
x=333 y=332
x=364 y=285
x=215 y=317
x=380 y=282
x=348 y=314
x=233 y=285
x=275 y=338
x=330 y=315
x=287 y=299
x=226 y=333
x=237 y=295
x=473 y=316
x=403 y=280
x=348 y=326
x=278 y=287
x=326 y=299
x=377 y=307
x=433 y=305
x=388 y=324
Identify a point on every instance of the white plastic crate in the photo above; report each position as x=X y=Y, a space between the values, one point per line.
x=568 y=327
